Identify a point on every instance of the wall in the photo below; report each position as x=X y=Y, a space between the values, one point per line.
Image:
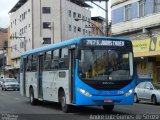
x=118 y=23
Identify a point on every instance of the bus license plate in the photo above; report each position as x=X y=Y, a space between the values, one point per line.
x=108 y=101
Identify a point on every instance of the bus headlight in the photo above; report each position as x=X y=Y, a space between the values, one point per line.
x=84 y=92
x=129 y=92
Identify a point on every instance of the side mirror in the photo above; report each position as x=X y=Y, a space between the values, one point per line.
x=148 y=88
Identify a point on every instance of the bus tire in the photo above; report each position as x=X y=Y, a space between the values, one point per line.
x=108 y=108
x=62 y=100
x=32 y=99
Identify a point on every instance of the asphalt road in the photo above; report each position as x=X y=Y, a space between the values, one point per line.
x=13 y=106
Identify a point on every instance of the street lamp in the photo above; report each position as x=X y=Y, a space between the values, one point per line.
x=77 y=19
x=16 y=37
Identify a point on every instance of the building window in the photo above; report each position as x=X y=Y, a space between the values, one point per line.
x=21 y=44
x=74 y=15
x=70 y=28
x=74 y=28
x=15 y=21
x=128 y=12
x=23 y=15
x=46 y=25
x=69 y=13
x=84 y=31
x=142 y=4
x=46 y=10
x=79 y=15
x=79 y=29
x=83 y=17
x=46 y=40
x=156 y=6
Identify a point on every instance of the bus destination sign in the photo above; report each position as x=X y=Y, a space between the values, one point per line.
x=104 y=43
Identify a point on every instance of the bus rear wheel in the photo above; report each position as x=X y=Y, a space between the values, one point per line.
x=108 y=108
x=62 y=100
x=32 y=99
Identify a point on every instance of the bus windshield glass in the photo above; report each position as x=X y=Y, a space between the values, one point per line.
x=106 y=65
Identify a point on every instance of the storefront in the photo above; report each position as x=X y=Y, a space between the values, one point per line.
x=147 y=59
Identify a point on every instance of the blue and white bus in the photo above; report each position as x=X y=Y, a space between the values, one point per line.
x=88 y=71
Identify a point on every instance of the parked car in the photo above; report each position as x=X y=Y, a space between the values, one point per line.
x=147 y=91
x=10 y=84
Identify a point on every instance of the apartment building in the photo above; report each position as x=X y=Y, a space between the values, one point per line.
x=139 y=21
x=36 y=23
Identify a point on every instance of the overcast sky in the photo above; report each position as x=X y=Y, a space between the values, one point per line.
x=6 y=6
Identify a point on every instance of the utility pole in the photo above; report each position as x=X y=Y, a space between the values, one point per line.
x=107 y=17
x=3 y=64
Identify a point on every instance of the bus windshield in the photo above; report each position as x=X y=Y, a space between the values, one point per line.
x=106 y=65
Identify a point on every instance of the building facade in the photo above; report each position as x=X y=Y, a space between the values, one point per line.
x=98 y=26
x=36 y=23
x=4 y=53
x=139 y=21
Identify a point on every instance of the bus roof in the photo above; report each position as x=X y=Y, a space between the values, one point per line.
x=67 y=42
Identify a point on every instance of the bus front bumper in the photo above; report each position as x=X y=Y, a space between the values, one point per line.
x=105 y=100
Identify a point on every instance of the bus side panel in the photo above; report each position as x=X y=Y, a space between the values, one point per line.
x=48 y=82
x=63 y=81
x=31 y=80
x=52 y=81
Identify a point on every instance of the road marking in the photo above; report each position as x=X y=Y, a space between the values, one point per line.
x=17 y=98
x=4 y=94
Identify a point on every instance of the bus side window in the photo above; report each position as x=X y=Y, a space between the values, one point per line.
x=55 y=60
x=28 y=66
x=47 y=60
x=64 y=60
x=34 y=63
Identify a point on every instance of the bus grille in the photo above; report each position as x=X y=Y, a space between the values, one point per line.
x=116 y=86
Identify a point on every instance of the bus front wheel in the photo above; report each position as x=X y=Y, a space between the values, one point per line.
x=62 y=100
x=108 y=108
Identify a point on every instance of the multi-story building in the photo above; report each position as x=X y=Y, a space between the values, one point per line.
x=4 y=71
x=97 y=25
x=139 y=21
x=35 y=23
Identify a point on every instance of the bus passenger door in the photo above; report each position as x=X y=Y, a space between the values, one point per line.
x=40 y=70
x=72 y=82
x=24 y=76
